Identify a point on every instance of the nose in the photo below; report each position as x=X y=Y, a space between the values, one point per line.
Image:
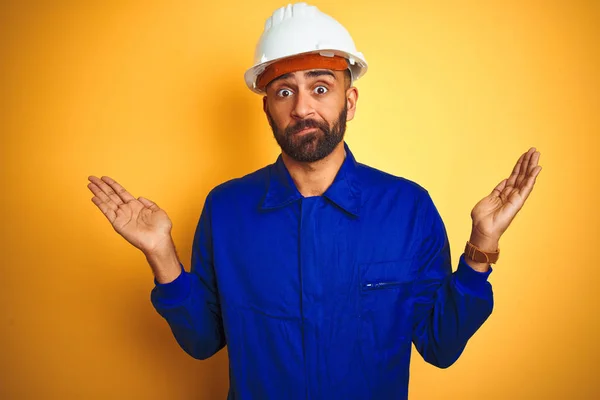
x=303 y=106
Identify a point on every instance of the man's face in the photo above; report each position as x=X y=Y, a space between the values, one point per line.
x=307 y=111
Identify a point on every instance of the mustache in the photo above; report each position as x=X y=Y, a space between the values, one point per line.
x=306 y=123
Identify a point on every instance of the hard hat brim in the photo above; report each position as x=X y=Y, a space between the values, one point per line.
x=357 y=65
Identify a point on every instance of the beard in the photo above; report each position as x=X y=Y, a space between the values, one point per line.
x=312 y=146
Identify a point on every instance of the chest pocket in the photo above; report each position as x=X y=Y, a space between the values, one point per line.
x=395 y=275
x=385 y=297
x=385 y=308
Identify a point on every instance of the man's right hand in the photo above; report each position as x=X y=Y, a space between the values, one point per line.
x=141 y=222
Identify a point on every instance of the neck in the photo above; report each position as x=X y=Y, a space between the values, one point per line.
x=313 y=179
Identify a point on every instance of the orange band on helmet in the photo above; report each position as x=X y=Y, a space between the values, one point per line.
x=300 y=63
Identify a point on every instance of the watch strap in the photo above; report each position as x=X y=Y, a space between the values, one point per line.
x=476 y=254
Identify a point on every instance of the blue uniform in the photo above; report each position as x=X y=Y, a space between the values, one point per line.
x=321 y=297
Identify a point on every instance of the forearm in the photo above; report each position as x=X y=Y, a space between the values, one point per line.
x=188 y=301
x=462 y=304
x=164 y=263
x=448 y=307
x=193 y=314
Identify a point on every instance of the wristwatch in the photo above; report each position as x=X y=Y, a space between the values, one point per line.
x=476 y=254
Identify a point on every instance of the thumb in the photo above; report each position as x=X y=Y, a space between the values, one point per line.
x=151 y=205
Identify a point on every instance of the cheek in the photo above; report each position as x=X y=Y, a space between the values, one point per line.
x=277 y=114
x=281 y=121
x=279 y=108
x=331 y=110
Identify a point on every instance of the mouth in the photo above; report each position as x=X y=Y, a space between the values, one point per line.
x=305 y=130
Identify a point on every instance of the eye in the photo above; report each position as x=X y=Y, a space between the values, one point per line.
x=284 y=92
x=321 y=89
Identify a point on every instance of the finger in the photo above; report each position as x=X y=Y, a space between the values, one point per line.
x=533 y=163
x=499 y=188
x=513 y=176
x=103 y=197
x=151 y=205
x=524 y=167
x=535 y=158
x=531 y=167
x=528 y=186
x=108 y=191
x=119 y=190
x=108 y=212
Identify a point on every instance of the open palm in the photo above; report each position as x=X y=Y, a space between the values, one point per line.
x=493 y=214
x=140 y=221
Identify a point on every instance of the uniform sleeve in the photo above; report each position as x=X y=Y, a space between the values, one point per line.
x=448 y=308
x=190 y=303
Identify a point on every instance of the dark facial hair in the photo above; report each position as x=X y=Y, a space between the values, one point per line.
x=311 y=146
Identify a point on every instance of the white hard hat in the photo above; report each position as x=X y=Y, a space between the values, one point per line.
x=298 y=29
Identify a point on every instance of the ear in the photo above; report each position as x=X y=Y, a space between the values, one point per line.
x=265 y=104
x=351 y=99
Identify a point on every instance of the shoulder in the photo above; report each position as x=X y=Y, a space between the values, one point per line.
x=397 y=193
x=246 y=187
x=376 y=182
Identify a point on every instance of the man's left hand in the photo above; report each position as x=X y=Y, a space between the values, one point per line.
x=494 y=213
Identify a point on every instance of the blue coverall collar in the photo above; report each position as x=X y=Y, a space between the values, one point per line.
x=344 y=191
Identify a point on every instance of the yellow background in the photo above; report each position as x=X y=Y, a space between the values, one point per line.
x=152 y=94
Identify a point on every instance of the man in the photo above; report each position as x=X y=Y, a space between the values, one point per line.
x=319 y=272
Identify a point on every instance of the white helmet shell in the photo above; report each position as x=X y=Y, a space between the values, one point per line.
x=298 y=29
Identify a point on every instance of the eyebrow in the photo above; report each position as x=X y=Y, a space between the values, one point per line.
x=317 y=73
x=307 y=74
